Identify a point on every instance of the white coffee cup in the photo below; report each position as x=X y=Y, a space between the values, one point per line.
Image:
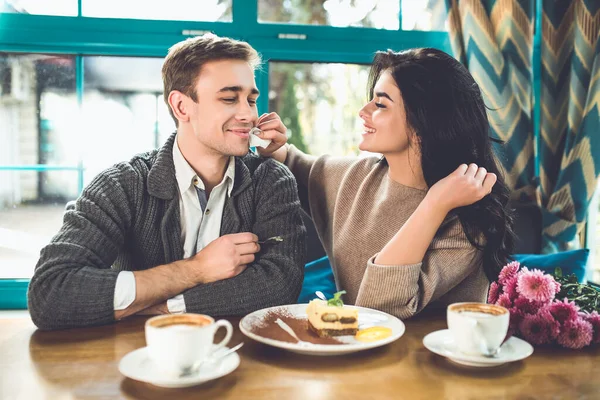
x=179 y=343
x=478 y=329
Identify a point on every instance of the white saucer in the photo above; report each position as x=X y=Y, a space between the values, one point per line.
x=137 y=365
x=441 y=342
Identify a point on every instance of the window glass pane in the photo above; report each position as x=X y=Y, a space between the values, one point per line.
x=123 y=110
x=593 y=236
x=319 y=104
x=176 y=10
x=424 y=15
x=41 y=7
x=37 y=107
x=380 y=14
x=30 y=216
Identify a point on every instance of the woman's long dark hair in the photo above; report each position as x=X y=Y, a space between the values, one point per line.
x=446 y=113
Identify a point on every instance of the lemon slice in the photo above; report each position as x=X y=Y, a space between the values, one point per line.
x=373 y=334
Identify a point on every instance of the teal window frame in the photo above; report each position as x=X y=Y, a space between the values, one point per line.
x=81 y=36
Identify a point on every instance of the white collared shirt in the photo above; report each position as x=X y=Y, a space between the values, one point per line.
x=198 y=227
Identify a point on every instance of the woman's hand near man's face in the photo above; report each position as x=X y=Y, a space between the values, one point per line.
x=465 y=186
x=272 y=128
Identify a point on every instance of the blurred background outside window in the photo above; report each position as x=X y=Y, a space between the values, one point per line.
x=57 y=137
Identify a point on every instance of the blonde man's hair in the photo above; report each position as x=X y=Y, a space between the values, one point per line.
x=186 y=58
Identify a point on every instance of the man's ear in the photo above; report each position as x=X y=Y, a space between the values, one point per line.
x=178 y=104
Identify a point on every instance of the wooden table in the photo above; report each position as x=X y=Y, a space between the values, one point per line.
x=83 y=363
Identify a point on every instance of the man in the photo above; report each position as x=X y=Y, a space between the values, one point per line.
x=176 y=230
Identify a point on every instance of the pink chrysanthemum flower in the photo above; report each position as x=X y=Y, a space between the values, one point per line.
x=493 y=293
x=509 y=271
x=556 y=287
x=539 y=328
x=563 y=311
x=510 y=287
x=516 y=316
x=594 y=320
x=527 y=306
x=576 y=334
x=517 y=312
x=504 y=301
x=537 y=286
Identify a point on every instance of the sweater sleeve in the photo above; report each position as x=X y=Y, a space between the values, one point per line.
x=73 y=284
x=276 y=275
x=404 y=290
x=319 y=181
x=300 y=164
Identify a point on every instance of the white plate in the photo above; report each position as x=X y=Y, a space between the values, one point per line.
x=366 y=318
x=137 y=365
x=442 y=343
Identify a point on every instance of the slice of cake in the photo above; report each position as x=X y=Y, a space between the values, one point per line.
x=331 y=318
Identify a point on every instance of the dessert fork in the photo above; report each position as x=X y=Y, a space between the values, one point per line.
x=271 y=240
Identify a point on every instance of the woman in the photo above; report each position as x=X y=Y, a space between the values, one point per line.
x=428 y=222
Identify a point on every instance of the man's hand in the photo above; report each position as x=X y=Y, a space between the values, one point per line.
x=272 y=128
x=224 y=257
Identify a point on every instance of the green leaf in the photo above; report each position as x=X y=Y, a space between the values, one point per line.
x=558 y=272
x=336 y=301
x=586 y=296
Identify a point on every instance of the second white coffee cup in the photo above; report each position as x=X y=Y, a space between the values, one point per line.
x=477 y=328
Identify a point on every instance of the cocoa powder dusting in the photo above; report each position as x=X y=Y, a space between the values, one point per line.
x=269 y=329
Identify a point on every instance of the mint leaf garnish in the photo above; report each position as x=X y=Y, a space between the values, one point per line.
x=336 y=301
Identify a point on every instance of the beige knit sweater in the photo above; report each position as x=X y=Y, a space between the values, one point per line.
x=357 y=208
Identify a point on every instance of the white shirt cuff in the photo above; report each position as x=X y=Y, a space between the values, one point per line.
x=176 y=305
x=124 y=290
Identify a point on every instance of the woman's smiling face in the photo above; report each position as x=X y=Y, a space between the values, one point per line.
x=385 y=127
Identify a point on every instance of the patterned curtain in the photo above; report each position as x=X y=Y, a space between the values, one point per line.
x=570 y=128
x=495 y=40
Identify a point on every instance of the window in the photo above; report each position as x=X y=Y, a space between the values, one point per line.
x=424 y=15
x=380 y=14
x=47 y=135
x=177 y=10
x=123 y=111
x=593 y=237
x=37 y=104
x=41 y=7
x=319 y=104
x=29 y=217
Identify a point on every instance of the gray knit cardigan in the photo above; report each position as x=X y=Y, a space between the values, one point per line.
x=128 y=219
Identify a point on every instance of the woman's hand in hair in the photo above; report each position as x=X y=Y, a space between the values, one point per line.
x=465 y=186
x=272 y=128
